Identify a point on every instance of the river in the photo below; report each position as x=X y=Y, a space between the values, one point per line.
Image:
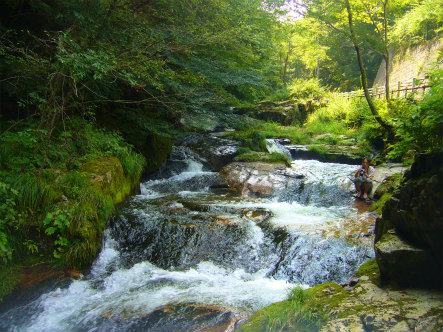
x=187 y=255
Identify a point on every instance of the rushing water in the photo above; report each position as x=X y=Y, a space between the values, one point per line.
x=181 y=256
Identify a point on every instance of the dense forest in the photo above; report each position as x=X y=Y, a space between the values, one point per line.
x=85 y=84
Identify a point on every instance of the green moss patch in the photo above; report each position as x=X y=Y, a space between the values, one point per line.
x=370 y=269
x=275 y=158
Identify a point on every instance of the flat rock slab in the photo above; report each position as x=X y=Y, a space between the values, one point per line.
x=257 y=177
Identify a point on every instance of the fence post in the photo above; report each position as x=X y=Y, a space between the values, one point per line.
x=398 y=89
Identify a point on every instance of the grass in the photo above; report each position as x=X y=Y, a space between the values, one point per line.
x=61 y=191
x=298 y=313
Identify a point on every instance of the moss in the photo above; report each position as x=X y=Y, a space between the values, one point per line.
x=274 y=158
x=10 y=278
x=108 y=179
x=388 y=185
x=377 y=206
x=370 y=269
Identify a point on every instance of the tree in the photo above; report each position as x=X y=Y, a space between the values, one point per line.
x=364 y=80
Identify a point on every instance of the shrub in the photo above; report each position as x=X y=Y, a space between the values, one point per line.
x=419 y=128
x=306 y=89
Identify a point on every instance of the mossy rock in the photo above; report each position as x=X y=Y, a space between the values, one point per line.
x=108 y=178
x=388 y=185
x=291 y=317
x=274 y=158
x=371 y=270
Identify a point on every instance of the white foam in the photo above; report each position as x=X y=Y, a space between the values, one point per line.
x=139 y=290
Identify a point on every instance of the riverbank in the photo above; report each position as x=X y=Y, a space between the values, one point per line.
x=58 y=193
x=361 y=304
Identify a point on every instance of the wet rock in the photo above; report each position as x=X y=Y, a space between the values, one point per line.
x=257 y=177
x=257 y=215
x=326 y=153
x=403 y=263
x=186 y=317
x=217 y=151
x=223 y=221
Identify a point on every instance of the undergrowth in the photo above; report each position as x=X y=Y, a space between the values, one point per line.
x=48 y=205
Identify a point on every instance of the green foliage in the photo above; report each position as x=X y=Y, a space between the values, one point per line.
x=10 y=220
x=419 y=127
x=302 y=89
x=423 y=21
x=49 y=205
x=272 y=130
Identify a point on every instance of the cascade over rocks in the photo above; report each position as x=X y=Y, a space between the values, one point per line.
x=409 y=234
x=215 y=150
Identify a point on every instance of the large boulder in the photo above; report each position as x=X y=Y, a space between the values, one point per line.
x=284 y=112
x=216 y=151
x=257 y=177
x=415 y=213
x=404 y=263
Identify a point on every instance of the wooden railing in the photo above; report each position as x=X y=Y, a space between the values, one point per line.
x=399 y=90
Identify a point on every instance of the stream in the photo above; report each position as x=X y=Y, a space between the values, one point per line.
x=187 y=254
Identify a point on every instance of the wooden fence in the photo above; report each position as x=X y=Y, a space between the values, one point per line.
x=399 y=90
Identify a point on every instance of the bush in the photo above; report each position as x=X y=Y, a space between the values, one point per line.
x=306 y=89
x=419 y=127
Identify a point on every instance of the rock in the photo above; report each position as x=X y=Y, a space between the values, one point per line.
x=404 y=264
x=257 y=215
x=366 y=307
x=185 y=317
x=348 y=324
x=223 y=221
x=217 y=151
x=387 y=177
x=387 y=185
x=257 y=177
x=415 y=212
x=353 y=282
x=326 y=153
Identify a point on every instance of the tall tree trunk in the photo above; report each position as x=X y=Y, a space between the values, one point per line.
x=285 y=69
x=386 y=54
x=387 y=58
x=364 y=78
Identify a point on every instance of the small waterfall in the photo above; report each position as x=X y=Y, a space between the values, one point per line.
x=322 y=184
x=274 y=146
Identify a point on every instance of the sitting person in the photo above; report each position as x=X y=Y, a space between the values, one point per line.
x=363 y=179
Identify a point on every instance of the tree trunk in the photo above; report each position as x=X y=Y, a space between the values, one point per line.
x=386 y=54
x=386 y=57
x=364 y=78
x=286 y=63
